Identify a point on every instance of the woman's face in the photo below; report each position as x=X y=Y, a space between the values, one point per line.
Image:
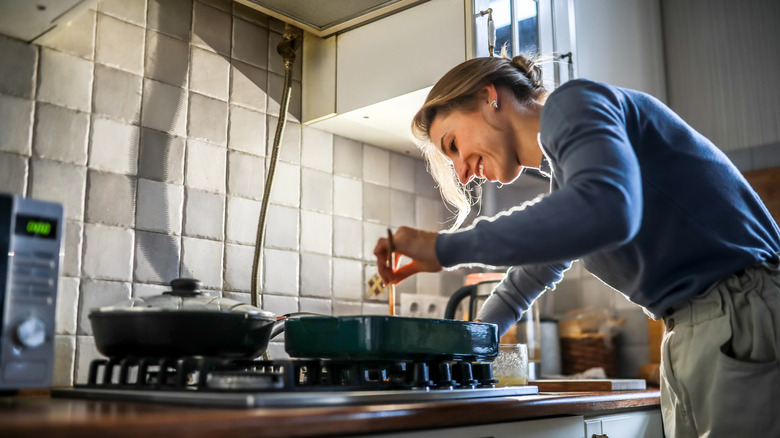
x=479 y=143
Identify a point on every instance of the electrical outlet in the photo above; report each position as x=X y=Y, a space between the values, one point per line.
x=423 y=306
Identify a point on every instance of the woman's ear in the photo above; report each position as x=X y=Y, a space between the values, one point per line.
x=490 y=95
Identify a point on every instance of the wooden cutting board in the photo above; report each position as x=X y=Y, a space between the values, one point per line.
x=576 y=385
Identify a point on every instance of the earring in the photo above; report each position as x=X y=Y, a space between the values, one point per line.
x=494 y=104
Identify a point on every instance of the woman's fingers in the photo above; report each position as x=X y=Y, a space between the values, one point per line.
x=415 y=244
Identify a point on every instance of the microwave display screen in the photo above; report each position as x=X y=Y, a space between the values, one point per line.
x=35 y=226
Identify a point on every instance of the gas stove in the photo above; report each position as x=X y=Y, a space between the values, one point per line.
x=219 y=382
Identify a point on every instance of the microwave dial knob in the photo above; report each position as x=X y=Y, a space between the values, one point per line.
x=31 y=333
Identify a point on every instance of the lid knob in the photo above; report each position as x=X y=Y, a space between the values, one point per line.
x=184 y=287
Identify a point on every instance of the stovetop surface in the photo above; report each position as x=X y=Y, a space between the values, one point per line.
x=220 y=382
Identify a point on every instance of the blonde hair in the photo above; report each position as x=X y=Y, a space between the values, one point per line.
x=458 y=90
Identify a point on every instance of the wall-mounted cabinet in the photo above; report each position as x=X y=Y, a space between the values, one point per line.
x=367 y=83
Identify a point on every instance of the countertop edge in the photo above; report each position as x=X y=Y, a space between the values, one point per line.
x=54 y=417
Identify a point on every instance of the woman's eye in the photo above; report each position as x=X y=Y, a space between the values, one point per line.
x=453 y=148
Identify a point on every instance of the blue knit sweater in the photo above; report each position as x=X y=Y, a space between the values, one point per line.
x=649 y=206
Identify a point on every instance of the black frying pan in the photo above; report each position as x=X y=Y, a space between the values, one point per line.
x=159 y=332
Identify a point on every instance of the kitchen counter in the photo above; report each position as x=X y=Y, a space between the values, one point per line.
x=40 y=415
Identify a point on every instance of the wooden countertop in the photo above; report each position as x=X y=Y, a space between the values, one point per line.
x=43 y=416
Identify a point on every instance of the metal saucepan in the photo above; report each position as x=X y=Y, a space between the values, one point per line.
x=183 y=322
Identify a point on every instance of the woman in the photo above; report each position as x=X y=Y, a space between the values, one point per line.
x=648 y=205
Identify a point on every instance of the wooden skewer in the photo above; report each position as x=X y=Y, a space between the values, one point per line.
x=391 y=265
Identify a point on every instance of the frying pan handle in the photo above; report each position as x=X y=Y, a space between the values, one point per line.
x=280 y=321
x=278 y=327
x=457 y=297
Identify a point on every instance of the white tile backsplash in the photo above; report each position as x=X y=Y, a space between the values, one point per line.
x=281 y=227
x=18 y=71
x=207 y=119
x=247 y=130
x=317 y=149
x=16 y=116
x=286 y=189
x=205 y=166
x=402 y=172
x=210 y=74
x=280 y=272
x=120 y=44
x=347 y=197
x=250 y=43
x=238 y=267
x=67 y=314
x=164 y=108
x=114 y=146
x=133 y=11
x=167 y=59
x=64 y=360
x=315 y=275
x=171 y=17
x=94 y=294
x=74 y=243
x=13 y=173
x=49 y=142
x=110 y=199
x=46 y=182
x=247 y=87
x=106 y=251
x=159 y=206
x=347 y=157
x=161 y=157
x=158 y=149
x=211 y=28
x=376 y=165
x=347 y=237
x=157 y=257
x=202 y=259
x=316 y=232
x=241 y=222
x=316 y=190
x=246 y=175
x=348 y=279
x=55 y=66
x=117 y=94
x=204 y=214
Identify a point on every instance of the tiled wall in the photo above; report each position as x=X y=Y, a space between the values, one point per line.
x=152 y=122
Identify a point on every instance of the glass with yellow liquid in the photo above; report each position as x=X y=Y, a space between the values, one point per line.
x=511 y=365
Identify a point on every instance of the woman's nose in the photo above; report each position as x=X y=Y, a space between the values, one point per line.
x=462 y=170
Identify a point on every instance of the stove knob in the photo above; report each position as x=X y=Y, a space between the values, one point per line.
x=483 y=373
x=462 y=374
x=31 y=332
x=443 y=375
x=420 y=375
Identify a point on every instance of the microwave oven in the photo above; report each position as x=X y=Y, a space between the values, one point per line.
x=31 y=234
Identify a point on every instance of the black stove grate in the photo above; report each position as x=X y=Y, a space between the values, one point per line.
x=199 y=373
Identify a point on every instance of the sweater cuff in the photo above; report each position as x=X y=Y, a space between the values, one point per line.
x=498 y=312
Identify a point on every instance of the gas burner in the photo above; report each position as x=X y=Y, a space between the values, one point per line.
x=213 y=381
x=210 y=373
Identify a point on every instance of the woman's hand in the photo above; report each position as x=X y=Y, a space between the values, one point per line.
x=418 y=245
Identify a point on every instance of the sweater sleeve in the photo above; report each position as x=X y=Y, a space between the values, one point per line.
x=514 y=295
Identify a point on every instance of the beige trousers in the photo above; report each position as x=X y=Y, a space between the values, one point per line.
x=720 y=359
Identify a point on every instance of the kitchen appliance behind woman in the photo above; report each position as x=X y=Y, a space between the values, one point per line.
x=30 y=240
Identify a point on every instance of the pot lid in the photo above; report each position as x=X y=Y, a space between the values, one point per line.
x=185 y=295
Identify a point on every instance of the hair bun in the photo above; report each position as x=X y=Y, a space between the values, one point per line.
x=530 y=68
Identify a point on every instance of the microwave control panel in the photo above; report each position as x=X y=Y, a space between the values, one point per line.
x=31 y=235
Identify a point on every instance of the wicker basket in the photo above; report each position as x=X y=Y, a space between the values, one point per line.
x=588 y=350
